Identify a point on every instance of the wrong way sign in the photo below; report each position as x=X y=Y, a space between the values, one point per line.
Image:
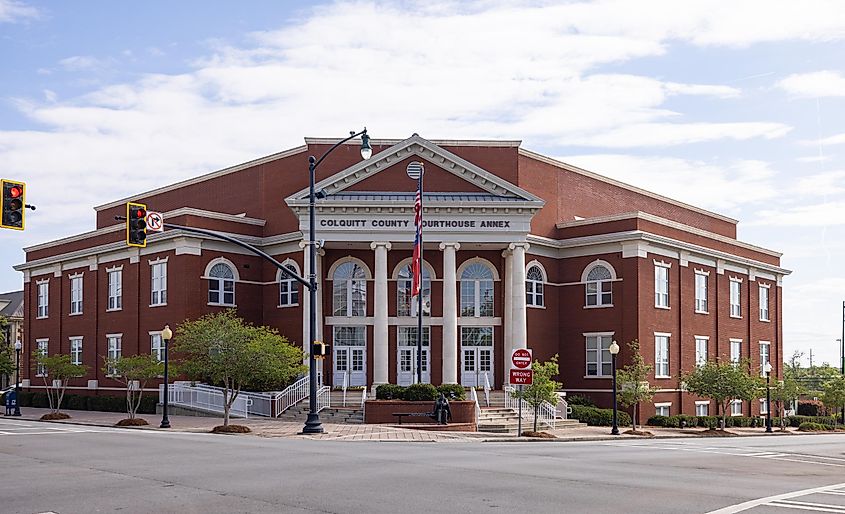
x=155 y=221
x=522 y=376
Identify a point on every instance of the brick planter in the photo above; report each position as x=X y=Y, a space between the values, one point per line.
x=381 y=411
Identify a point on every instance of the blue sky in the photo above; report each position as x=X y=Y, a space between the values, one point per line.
x=733 y=107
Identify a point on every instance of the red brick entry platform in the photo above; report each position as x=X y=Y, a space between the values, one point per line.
x=383 y=411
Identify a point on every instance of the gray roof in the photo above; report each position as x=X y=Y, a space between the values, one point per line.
x=427 y=197
x=15 y=306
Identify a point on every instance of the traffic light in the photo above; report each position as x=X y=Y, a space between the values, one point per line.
x=136 y=224
x=13 y=204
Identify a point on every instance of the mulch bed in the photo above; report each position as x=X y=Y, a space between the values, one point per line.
x=53 y=416
x=712 y=432
x=641 y=433
x=539 y=435
x=137 y=422
x=231 y=429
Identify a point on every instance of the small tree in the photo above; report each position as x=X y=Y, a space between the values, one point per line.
x=7 y=353
x=225 y=350
x=785 y=392
x=138 y=369
x=723 y=382
x=833 y=396
x=632 y=381
x=543 y=387
x=62 y=371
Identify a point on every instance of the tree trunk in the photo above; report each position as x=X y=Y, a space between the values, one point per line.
x=137 y=404
x=129 y=400
x=226 y=404
x=49 y=390
x=61 y=396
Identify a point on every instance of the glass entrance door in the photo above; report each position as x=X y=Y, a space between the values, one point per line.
x=476 y=356
x=406 y=356
x=350 y=357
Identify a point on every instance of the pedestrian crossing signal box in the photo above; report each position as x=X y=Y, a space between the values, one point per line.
x=318 y=349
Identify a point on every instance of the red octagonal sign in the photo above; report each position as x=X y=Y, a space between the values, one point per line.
x=521 y=358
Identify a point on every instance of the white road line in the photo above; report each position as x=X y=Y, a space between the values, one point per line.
x=824 y=507
x=842 y=493
x=732 y=509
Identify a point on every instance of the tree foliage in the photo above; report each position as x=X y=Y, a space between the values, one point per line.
x=60 y=371
x=7 y=351
x=223 y=349
x=723 y=382
x=833 y=396
x=134 y=372
x=632 y=381
x=543 y=387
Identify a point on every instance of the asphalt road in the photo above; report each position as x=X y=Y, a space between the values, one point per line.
x=69 y=469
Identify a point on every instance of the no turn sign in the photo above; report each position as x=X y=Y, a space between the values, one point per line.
x=155 y=221
x=521 y=358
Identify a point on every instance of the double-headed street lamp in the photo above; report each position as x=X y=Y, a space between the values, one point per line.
x=767 y=369
x=614 y=350
x=166 y=335
x=18 y=348
x=312 y=424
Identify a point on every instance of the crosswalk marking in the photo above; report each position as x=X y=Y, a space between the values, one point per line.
x=690 y=446
x=789 y=501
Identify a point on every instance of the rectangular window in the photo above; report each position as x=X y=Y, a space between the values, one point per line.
x=115 y=290
x=736 y=407
x=407 y=336
x=661 y=355
x=598 y=355
x=736 y=350
x=661 y=286
x=764 y=356
x=662 y=409
x=43 y=299
x=158 y=273
x=700 y=350
x=41 y=370
x=736 y=310
x=114 y=344
x=701 y=293
x=764 y=303
x=76 y=350
x=764 y=407
x=157 y=346
x=76 y=294
x=702 y=408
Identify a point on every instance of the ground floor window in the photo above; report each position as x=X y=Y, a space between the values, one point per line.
x=736 y=408
x=764 y=407
x=702 y=408
x=662 y=409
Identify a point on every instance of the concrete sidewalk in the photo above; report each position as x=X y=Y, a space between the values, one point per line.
x=264 y=427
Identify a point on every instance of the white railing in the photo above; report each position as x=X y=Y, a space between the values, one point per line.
x=292 y=395
x=345 y=385
x=546 y=413
x=474 y=397
x=487 y=388
x=324 y=398
x=205 y=398
x=562 y=409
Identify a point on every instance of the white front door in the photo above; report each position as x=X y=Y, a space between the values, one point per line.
x=350 y=363
x=476 y=363
x=406 y=366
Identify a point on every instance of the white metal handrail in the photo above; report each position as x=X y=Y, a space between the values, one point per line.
x=487 y=388
x=545 y=415
x=474 y=397
x=292 y=395
x=206 y=398
x=324 y=398
x=345 y=385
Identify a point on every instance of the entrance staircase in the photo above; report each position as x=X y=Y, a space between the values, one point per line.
x=352 y=413
x=498 y=419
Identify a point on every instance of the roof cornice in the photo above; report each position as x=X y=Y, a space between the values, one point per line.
x=489 y=143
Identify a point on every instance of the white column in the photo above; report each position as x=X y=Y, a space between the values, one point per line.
x=519 y=333
x=306 y=303
x=450 y=314
x=508 y=328
x=380 y=357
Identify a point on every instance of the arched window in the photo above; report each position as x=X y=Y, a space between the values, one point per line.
x=404 y=279
x=477 y=290
x=221 y=285
x=599 y=288
x=534 y=286
x=349 y=290
x=288 y=287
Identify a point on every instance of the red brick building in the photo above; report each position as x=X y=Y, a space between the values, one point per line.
x=520 y=250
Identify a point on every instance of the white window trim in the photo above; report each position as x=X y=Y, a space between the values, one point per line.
x=477 y=294
x=706 y=349
x=600 y=362
x=158 y=260
x=427 y=268
x=735 y=280
x=667 y=266
x=667 y=405
x=109 y=271
x=71 y=279
x=81 y=340
x=545 y=282
x=736 y=402
x=237 y=278
x=368 y=277
x=731 y=341
x=768 y=289
x=668 y=336
x=763 y=407
x=161 y=260
x=281 y=276
x=613 y=278
x=109 y=337
x=768 y=344
x=37 y=343
x=38 y=284
x=702 y=402
x=156 y=333
x=706 y=275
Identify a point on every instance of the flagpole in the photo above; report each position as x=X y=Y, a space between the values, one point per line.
x=422 y=289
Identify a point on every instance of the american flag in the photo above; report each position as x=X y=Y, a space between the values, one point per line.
x=416 y=265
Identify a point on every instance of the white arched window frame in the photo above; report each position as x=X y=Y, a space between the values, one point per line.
x=477 y=277
x=349 y=287
x=402 y=275
x=598 y=280
x=222 y=275
x=535 y=279
x=288 y=287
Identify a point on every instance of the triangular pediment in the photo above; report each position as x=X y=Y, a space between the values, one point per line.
x=448 y=177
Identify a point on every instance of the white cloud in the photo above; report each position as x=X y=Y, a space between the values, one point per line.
x=838 y=139
x=816 y=84
x=82 y=63
x=12 y=11
x=821 y=184
x=668 y=134
x=814 y=158
x=811 y=215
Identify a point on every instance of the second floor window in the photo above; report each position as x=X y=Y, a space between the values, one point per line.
x=661 y=286
x=76 y=295
x=158 y=286
x=599 y=287
x=406 y=305
x=349 y=290
x=288 y=288
x=221 y=285
x=477 y=291
x=764 y=303
x=700 y=292
x=115 y=290
x=736 y=310
x=76 y=350
x=534 y=287
x=43 y=299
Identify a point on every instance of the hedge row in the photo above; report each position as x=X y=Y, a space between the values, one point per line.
x=419 y=392
x=734 y=421
x=94 y=403
x=596 y=417
x=809 y=426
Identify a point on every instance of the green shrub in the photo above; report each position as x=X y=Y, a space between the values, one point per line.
x=594 y=416
x=809 y=426
x=75 y=402
x=390 y=392
x=795 y=421
x=420 y=393
x=657 y=421
x=453 y=391
x=810 y=408
x=40 y=401
x=579 y=399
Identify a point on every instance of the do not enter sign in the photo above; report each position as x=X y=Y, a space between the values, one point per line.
x=521 y=358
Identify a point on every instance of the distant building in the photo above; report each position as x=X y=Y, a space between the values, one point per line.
x=12 y=310
x=520 y=250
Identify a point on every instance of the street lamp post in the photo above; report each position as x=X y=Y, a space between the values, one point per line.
x=767 y=368
x=614 y=349
x=166 y=334
x=312 y=424
x=18 y=347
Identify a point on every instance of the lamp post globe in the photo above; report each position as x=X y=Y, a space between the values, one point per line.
x=18 y=348
x=614 y=350
x=166 y=335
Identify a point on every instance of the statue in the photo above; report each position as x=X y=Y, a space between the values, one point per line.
x=442 y=412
